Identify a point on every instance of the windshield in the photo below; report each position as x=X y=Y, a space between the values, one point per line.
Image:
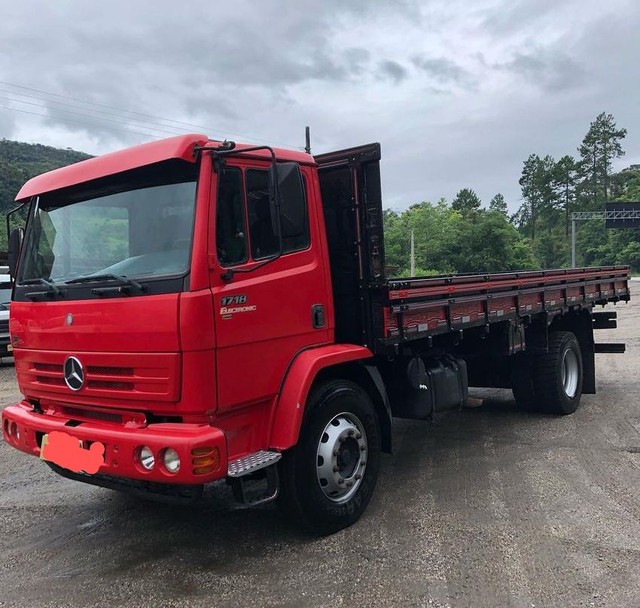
x=142 y=232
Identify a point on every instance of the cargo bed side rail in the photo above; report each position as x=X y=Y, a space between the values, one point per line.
x=420 y=308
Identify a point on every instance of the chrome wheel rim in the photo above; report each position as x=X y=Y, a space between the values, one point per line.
x=570 y=372
x=341 y=457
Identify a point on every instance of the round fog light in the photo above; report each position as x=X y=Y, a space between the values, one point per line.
x=15 y=431
x=171 y=460
x=147 y=459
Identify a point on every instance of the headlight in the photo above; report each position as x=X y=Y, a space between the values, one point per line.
x=147 y=459
x=171 y=460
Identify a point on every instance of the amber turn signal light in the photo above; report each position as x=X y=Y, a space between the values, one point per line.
x=205 y=460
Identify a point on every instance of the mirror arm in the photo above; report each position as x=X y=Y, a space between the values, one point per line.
x=16 y=254
x=228 y=148
x=10 y=214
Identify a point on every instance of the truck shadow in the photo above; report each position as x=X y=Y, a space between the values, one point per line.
x=212 y=535
x=457 y=439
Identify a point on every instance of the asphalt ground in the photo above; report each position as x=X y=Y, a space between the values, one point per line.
x=490 y=506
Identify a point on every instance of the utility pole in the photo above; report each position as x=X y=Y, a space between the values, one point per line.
x=573 y=242
x=413 y=255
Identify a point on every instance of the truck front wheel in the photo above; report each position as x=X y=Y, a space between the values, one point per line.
x=328 y=478
x=558 y=374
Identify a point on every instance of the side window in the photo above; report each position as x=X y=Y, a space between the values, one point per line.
x=231 y=239
x=264 y=240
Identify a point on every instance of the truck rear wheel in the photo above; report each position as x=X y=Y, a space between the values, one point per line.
x=558 y=374
x=328 y=478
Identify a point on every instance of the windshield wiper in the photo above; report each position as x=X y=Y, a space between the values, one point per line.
x=52 y=288
x=108 y=276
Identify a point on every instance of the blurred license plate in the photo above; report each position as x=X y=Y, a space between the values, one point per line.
x=70 y=453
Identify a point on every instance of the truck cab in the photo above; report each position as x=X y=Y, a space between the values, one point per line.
x=162 y=295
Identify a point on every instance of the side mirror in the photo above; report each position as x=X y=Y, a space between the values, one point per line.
x=15 y=244
x=289 y=198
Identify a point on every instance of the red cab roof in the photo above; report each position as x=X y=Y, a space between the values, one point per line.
x=115 y=162
x=131 y=158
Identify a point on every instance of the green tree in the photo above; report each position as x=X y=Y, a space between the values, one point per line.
x=537 y=192
x=564 y=176
x=447 y=241
x=600 y=146
x=489 y=243
x=434 y=227
x=625 y=185
x=19 y=162
x=466 y=202
x=497 y=203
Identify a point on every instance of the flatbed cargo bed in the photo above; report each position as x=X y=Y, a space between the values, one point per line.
x=382 y=313
x=422 y=307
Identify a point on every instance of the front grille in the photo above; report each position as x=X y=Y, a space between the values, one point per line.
x=47 y=367
x=53 y=381
x=4 y=326
x=110 y=371
x=115 y=386
x=139 y=376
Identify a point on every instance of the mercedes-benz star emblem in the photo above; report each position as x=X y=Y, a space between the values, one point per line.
x=73 y=373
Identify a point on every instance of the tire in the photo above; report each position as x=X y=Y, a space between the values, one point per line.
x=328 y=478
x=558 y=374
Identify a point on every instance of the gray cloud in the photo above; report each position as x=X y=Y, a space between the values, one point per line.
x=356 y=60
x=392 y=70
x=439 y=84
x=503 y=18
x=443 y=70
x=552 y=71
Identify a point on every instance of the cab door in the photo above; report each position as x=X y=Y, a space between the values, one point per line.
x=265 y=311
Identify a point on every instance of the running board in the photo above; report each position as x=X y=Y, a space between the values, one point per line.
x=609 y=347
x=252 y=463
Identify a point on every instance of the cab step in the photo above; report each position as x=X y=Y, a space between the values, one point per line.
x=251 y=463
x=254 y=478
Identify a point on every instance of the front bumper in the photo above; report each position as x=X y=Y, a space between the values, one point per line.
x=123 y=442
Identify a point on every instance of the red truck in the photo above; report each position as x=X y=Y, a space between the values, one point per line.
x=190 y=311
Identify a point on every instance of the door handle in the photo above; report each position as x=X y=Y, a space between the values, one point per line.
x=317 y=316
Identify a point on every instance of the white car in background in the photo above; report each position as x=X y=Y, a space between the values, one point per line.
x=5 y=303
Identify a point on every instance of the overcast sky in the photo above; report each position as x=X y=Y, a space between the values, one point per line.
x=458 y=93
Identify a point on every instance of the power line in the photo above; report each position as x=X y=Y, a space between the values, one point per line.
x=82 y=122
x=101 y=105
x=121 y=119
x=147 y=116
x=118 y=122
